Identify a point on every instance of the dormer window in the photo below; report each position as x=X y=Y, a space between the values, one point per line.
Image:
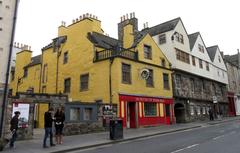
x=219 y=59
x=163 y=62
x=147 y=52
x=179 y=37
x=162 y=39
x=201 y=48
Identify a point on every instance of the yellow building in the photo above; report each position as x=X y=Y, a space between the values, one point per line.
x=130 y=73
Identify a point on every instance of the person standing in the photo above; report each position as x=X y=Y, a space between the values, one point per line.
x=59 y=124
x=14 y=128
x=210 y=112
x=48 y=121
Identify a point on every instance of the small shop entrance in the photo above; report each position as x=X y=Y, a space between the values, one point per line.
x=179 y=113
x=131 y=115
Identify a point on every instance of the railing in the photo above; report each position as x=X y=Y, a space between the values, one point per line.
x=106 y=54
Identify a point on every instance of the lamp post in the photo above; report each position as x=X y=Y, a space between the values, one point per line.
x=5 y=91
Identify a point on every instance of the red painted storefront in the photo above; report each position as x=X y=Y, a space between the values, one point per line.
x=231 y=104
x=131 y=110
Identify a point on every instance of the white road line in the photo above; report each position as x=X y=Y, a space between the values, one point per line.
x=188 y=147
x=178 y=150
x=218 y=137
x=192 y=146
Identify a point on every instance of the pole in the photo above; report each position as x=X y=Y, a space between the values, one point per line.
x=8 y=68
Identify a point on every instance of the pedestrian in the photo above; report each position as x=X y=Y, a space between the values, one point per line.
x=14 y=128
x=48 y=121
x=210 y=112
x=59 y=124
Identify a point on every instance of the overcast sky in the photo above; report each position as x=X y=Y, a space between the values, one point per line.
x=218 y=21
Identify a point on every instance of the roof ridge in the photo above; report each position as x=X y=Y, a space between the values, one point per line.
x=178 y=18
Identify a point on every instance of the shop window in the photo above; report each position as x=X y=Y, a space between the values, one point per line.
x=204 y=110
x=167 y=110
x=192 y=110
x=74 y=114
x=87 y=114
x=198 y=110
x=150 y=109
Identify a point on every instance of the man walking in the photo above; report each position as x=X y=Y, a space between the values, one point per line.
x=13 y=128
x=48 y=121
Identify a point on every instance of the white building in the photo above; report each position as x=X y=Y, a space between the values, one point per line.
x=200 y=76
x=7 y=8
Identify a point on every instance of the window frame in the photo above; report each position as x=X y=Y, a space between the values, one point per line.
x=166 y=83
x=150 y=79
x=65 y=57
x=162 y=39
x=147 y=51
x=200 y=63
x=126 y=74
x=150 y=109
x=67 y=89
x=193 y=61
x=84 y=84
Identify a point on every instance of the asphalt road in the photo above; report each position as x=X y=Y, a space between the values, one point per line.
x=221 y=138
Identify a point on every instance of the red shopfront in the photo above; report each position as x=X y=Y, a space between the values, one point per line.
x=139 y=111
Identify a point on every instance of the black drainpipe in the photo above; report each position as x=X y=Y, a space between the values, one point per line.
x=110 y=80
x=8 y=68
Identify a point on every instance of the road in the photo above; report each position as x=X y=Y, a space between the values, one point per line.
x=221 y=138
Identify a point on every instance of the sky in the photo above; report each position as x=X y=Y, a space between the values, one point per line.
x=218 y=21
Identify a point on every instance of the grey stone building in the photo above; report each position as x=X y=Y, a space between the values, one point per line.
x=233 y=70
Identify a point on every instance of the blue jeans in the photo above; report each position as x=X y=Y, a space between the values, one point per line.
x=13 y=139
x=48 y=131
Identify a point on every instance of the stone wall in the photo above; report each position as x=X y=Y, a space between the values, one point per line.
x=81 y=128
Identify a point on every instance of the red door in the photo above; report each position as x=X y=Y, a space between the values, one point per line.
x=132 y=113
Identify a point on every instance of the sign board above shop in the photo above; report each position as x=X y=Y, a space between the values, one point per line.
x=215 y=100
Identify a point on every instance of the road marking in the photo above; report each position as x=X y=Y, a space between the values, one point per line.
x=93 y=148
x=188 y=147
x=218 y=137
x=192 y=146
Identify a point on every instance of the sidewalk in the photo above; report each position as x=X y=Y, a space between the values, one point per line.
x=84 y=141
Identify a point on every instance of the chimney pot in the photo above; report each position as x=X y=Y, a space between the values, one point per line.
x=87 y=15
x=127 y=16
x=123 y=17
x=84 y=16
x=133 y=14
x=76 y=19
x=73 y=21
x=90 y=15
x=96 y=17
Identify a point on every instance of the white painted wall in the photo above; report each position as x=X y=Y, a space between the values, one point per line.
x=7 y=13
x=169 y=47
x=169 y=50
x=219 y=68
x=204 y=57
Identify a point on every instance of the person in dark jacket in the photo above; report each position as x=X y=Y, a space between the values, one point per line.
x=13 y=128
x=59 y=124
x=48 y=121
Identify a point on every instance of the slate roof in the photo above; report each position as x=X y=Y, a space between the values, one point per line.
x=58 y=41
x=163 y=27
x=233 y=59
x=103 y=41
x=212 y=52
x=34 y=61
x=192 y=39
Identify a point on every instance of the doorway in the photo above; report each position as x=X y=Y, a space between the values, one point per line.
x=179 y=113
x=131 y=115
